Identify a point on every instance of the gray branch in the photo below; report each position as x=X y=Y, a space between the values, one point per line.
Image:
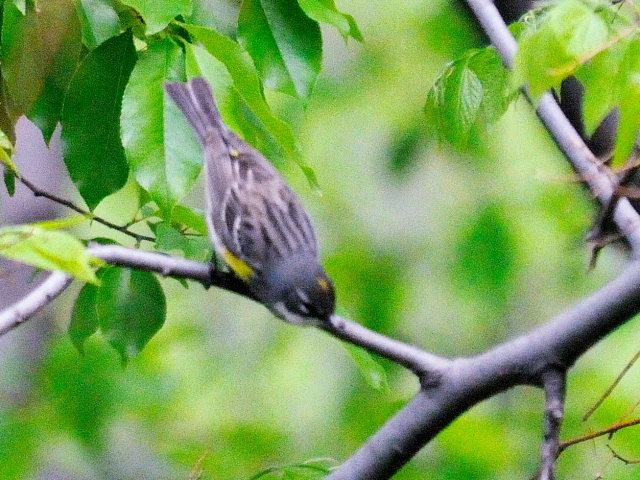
x=465 y=382
x=33 y=302
x=411 y=357
x=554 y=384
x=600 y=183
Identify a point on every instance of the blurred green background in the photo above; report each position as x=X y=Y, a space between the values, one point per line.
x=453 y=252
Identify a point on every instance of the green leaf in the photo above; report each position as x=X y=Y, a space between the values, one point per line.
x=93 y=151
x=565 y=37
x=603 y=84
x=468 y=96
x=10 y=181
x=37 y=67
x=612 y=79
x=47 y=249
x=190 y=218
x=285 y=44
x=10 y=169
x=62 y=222
x=131 y=309
x=84 y=316
x=168 y=239
x=325 y=11
x=369 y=368
x=629 y=122
x=99 y=20
x=157 y=15
x=161 y=150
x=247 y=83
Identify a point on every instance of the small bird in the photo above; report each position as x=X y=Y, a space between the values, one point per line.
x=256 y=223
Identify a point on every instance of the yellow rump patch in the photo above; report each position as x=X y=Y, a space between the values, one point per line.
x=241 y=267
x=324 y=285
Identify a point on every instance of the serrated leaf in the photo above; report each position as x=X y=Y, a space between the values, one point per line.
x=565 y=37
x=161 y=150
x=325 y=11
x=84 y=316
x=374 y=375
x=37 y=67
x=247 y=83
x=131 y=309
x=47 y=249
x=470 y=95
x=285 y=44
x=99 y=20
x=157 y=15
x=93 y=151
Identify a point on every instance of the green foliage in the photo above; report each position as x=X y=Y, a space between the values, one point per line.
x=37 y=68
x=284 y=43
x=93 y=150
x=130 y=307
x=467 y=97
x=47 y=249
x=373 y=373
x=444 y=257
x=157 y=15
x=598 y=42
x=171 y=239
x=162 y=164
x=99 y=20
x=324 y=11
x=267 y=130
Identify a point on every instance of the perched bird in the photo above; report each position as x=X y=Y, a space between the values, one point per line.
x=256 y=222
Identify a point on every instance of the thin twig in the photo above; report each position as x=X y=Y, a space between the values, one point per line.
x=38 y=192
x=34 y=301
x=600 y=433
x=425 y=365
x=168 y=266
x=615 y=383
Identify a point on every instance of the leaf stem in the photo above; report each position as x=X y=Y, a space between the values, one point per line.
x=38 y=192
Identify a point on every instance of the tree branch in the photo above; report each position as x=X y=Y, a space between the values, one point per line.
x=560 y=129
x=33 y=302
x=425 y=365
x=554 y=382
x=412 y=357
x=168 y=266
x=465 y=382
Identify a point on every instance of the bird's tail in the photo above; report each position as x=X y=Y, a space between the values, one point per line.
x=196 y=102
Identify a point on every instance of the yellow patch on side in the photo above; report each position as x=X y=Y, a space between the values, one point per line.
x=234 y=153
x=324 y=285
x=242 y=268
